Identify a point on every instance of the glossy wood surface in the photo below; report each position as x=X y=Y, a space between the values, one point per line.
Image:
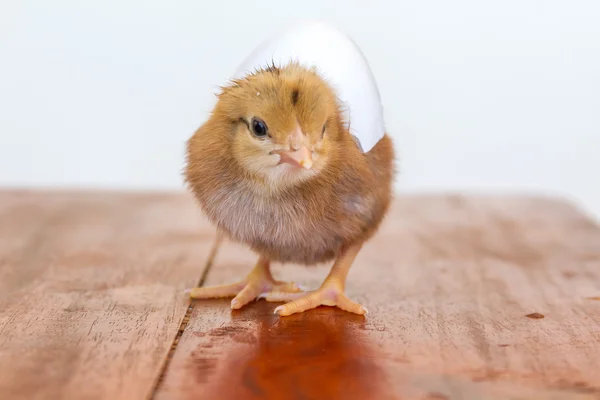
x=468 y=298
x=451 y=285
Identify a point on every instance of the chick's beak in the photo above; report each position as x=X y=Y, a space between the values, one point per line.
x=299 y=155
x=299 y=158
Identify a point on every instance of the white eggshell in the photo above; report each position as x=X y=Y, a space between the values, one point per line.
x=339 y=61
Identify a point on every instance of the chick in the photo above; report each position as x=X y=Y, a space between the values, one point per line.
x=276 y=168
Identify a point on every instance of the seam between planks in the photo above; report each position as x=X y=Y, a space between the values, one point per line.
x=186 y=318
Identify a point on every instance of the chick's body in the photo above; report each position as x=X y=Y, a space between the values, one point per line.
x=307 y=224
x=284 y=212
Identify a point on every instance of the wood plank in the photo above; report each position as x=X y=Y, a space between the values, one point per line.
x=449 y=282
x=91 y=290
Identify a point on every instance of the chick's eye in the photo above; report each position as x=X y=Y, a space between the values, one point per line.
x=259 y=128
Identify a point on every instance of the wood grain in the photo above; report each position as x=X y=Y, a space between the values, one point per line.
x=449 y=282
x=91 y=290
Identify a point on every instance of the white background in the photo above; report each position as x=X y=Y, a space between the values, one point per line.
x=480 y=96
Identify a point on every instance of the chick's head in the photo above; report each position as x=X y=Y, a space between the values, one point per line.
x=285 y=123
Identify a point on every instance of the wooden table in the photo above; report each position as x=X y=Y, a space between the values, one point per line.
x=469 y=298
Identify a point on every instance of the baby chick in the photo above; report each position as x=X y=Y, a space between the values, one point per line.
x=275 y=168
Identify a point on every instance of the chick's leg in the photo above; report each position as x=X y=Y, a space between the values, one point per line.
x=258 y=281
x=331 y=292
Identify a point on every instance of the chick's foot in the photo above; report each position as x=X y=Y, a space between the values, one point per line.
x=331 y=293
x=258 y=281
